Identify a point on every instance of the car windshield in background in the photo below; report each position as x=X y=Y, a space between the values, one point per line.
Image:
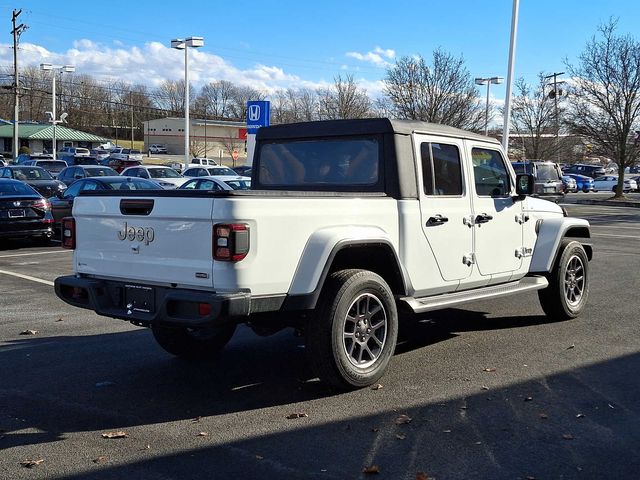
x=131 y=183
x=101 y=172
x=53 y=165
x=31 y=174
x=320 y=163
x=548 y=171
x=221 y=171
x=163 y=173
x=239 y=184
x=522 y=168
x=11 y=188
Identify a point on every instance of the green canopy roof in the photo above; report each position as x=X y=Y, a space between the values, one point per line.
x=45 y=132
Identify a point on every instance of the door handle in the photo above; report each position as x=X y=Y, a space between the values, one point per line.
x=483 y=218
x=437 y=220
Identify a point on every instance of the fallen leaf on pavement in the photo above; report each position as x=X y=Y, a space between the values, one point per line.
x=197 y=419
x=484 y=387
x=118 y=434
x=31 y=463
x=571 y=346
x=401 y=436
x=528 y=399
x=60 y=319
x=29 y=332
x=543 y=416
x=371 y=469
x=100 y=459
x=403 y=420
x=423 y=476
x=377 y=386
x=489 y=369
x=203 y=434
x=297 y=415
x=567 y=436
x=580 y=415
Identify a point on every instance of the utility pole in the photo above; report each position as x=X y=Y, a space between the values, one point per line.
x=555 y=94
x=131 y=103
x=16 y=32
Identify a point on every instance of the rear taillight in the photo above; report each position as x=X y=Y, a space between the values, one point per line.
x=41 y=204
x=69 y=233
x=230 y=242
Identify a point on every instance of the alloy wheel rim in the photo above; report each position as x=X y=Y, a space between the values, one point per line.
x=364 y=330
x=574 y=281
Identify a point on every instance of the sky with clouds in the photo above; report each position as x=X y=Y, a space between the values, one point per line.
x=271 y=45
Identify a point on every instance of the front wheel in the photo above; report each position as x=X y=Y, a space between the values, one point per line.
x=192 y=343
x=566 y=295
x=352 y=338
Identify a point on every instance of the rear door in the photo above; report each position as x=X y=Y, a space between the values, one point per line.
x=445 y=202
x=157 y=243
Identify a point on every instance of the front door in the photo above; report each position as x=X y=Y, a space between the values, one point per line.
x=445 y=202
x=497 y=217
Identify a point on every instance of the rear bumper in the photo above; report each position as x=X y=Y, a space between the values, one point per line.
x=26 y=229
x=167 y=306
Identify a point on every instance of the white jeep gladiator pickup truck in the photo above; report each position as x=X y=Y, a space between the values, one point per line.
x=348 y=223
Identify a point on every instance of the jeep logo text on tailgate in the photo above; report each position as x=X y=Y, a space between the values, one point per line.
x=132 y=233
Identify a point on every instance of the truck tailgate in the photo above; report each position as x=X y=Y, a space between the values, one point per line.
x=162 y=240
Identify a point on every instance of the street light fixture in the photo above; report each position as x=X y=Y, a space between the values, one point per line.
x=63 y=118
x=180 y=44
x=488 y=81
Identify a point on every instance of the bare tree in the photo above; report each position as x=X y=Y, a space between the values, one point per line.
x=605 y=98
x=344 y=99
x=214 y=100
x=443 y=92
x=239 y=98
x=294 y=105
x=170 y=96
x=533 y=118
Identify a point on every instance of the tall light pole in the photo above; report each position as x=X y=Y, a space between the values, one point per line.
x=488 y=81
x=555 y=94
x=180 y=44
x=512 y=61
x=54 y=120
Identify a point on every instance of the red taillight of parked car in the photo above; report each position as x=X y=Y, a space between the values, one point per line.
x=68 y=233
x=230 y=242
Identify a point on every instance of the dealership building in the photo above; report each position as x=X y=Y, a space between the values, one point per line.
x=217 y=139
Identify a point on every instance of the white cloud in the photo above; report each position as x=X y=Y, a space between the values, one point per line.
x=378 y=56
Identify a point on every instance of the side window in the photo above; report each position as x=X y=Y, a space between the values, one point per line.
x=208 y=185
x=89 y=186
x=190 y=185
x=73 y=190
x=202 y=172
x=490 y=173
x=441 y=169
x=133 y=172
x=143 y=173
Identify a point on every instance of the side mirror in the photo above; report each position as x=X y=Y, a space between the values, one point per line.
x=524 y=185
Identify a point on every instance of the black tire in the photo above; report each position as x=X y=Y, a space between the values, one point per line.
x=351 y=339
x=194 y=344
x=568 y=290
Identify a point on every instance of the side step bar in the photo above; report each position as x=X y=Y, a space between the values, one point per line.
x=437 y=302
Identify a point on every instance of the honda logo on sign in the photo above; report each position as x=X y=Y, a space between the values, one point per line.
x=254 y=113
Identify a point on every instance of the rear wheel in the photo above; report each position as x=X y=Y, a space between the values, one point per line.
x=566 y=295
x=192 y=343
x=352 y=339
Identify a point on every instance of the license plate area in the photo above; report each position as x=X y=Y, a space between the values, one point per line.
x=139 y=298
x=17 y=213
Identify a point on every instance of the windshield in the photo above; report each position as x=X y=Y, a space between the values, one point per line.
x=31 y=173
x=321 y=164
x=130 y=183
x=221 y=171
x=100 y=172
x=16 y=188
x=53 y=165
x=239 y=184
x=522 y=168
x=547 y=171
x=163 y=173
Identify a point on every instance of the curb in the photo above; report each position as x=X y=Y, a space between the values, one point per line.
x=610 y=203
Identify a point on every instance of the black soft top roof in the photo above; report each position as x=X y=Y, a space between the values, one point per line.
x=365 y=126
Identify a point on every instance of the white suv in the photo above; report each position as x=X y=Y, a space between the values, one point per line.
x=157 y=148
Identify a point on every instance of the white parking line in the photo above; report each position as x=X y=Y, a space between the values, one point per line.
x=27 y=277
x=32 y=253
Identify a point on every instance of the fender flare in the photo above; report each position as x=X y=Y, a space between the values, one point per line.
x=319 y=254
x=551 y=232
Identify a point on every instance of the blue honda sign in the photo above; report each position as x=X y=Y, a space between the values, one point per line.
x=258 y=113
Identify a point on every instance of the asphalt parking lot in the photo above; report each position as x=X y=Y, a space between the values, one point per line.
x=493 y=390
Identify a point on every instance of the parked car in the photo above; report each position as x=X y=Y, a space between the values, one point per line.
x=100 y=154
x=635 y=178
x=23 y=211
x=214 y=183
x=570 y=184
x=244 y=170
x=71 y=174
x=54 y=167
x=62 y=204
x=119 y=165
x=157 y=148
x=194 y=162
x=126 y=154
x=209 y=171
x=23 y=158
x=634 y=169
x=548 y=178
x=592 y=171
x=36 y=177
x=166 y=177
x=610 y=182
x=75 y=151
x=583 y=183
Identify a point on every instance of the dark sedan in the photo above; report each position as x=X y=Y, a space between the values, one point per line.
x=36 y=177
x=76 y=172
x=583 y=182
x=62 y=204
x=23 y=211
